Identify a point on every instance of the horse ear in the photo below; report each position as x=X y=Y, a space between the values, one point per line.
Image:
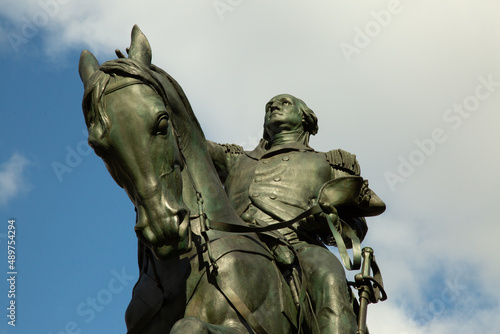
x=140 y=49
x=87 y=66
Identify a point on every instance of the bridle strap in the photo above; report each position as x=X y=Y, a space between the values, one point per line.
x=122 y=83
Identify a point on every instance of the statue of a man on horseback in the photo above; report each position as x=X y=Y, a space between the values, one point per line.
x=285 y=200
x=280 y=179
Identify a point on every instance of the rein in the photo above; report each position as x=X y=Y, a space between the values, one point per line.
x=204 y=222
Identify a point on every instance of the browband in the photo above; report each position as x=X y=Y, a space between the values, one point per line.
x=121 y=84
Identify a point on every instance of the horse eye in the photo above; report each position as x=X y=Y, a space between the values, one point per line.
x=162 y=126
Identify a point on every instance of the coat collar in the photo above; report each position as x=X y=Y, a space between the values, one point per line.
x=260 y=151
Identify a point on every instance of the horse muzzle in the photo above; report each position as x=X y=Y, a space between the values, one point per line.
x=164 y=234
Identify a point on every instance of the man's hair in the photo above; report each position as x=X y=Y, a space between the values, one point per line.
x=309 y=118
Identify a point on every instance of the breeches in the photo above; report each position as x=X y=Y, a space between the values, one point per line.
x=327 y=289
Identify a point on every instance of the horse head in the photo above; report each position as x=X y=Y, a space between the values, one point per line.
x=127 y=108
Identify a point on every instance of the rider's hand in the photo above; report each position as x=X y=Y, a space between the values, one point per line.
x=328 y=208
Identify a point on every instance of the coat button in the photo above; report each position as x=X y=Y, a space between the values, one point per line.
x=285 y=158
x=255 y=195
x=265 y=161
x=258 y=179
x=246 y=217
x=272 y=196
x=277 y=179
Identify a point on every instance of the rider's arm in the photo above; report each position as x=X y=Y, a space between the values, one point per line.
x=345 y=164
x=222 y=156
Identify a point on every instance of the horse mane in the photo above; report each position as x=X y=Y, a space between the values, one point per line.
x=180 y=92
x=193 y=143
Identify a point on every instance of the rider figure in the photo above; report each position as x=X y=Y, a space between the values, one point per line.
x=278 y=181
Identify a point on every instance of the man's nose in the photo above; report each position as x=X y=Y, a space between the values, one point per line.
x=274 y=106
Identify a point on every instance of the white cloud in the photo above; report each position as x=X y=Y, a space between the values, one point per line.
x=12 y=179
x=388 y=318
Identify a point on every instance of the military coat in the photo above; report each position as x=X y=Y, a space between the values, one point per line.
x=283 y=181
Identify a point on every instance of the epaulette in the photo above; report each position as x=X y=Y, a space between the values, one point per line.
x=232 y=149
x=343 y=160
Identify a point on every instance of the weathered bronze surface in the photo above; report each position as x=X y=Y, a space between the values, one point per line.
x=249 y=257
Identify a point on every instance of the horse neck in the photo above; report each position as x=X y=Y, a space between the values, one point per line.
x=199 y=173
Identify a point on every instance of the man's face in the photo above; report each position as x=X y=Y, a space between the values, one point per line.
x=282 y=114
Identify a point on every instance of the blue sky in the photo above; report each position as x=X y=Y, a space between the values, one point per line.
x=412 y=88
x=62 y=224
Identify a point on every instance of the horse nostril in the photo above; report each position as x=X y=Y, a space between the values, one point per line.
x=140 y=225
x=151 y=237
x=141 y=237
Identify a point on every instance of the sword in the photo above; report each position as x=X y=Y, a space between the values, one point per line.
x=370 y=288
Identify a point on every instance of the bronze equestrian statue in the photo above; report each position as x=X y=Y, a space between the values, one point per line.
x=251 y=261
